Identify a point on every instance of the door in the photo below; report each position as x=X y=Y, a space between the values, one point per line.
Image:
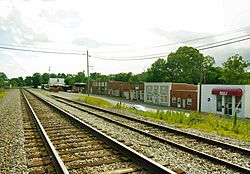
x=178 y=102
x=183 y=103
x=228 y=105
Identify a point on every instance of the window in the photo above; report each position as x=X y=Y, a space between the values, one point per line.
x=238 y=101
x=189 y=101
x=163 y=90
x=148 y=89
x=149 y=97
x=155 y=89
x=57 y=80
x=164 y=99
x=219 y=103
x=173 y=99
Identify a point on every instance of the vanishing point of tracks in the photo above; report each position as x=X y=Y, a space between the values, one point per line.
x=232 y=156
x=65 y=144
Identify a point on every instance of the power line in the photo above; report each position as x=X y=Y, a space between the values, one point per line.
x=40 y=51
x=247 y=28
x=153 y=56
x=40 y=48
x=223 y=44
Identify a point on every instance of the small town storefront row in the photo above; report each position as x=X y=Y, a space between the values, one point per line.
x=226 y=99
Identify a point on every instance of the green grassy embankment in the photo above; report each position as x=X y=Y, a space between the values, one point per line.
x=94 y=101
x=221 y=125
x=2 y=93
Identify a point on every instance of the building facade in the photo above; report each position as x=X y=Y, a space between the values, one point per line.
x=184 y=96
x=99 y=87
x=137 y=91
x=226 y=99
x=157 y=93
x=119 y=89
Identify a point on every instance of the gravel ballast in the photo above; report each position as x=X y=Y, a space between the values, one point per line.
x=12 y=153
x=160 y=152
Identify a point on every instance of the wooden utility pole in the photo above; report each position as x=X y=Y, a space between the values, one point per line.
x=200 y=58
x=88 y=71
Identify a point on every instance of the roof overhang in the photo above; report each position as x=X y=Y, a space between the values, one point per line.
x=227 y=91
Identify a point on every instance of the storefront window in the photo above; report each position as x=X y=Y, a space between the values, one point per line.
x=219 y=103
x=189 y=101
x=238 y=101
x=173 y=99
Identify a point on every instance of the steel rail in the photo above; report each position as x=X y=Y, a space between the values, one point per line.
x=141 y=160
x=57 y=161
x=162 y=127
x=181 y=147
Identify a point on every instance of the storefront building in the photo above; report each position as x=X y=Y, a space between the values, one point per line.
x=184 y=96
x=226 y=99
x=157 y=93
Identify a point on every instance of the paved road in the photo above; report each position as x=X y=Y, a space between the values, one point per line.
x=115 y=100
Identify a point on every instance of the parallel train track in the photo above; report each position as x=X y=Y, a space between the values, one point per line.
x=75 y=147
x=213 y=150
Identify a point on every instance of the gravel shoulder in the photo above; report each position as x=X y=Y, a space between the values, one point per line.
x=12 y=153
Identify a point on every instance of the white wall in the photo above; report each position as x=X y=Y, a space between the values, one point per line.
x=210 y=106
x=159 y=84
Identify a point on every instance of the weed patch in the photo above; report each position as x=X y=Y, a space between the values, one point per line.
x=221 y=125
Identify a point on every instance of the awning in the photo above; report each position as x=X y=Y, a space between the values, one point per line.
x=227 y=91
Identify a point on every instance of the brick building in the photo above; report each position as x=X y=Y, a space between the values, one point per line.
x=119 y=89
x=184 y=96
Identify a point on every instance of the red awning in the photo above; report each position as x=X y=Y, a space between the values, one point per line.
x=227 y=91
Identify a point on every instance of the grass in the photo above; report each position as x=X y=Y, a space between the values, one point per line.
x=2 y=93
x=94 y=101
x=221 y=125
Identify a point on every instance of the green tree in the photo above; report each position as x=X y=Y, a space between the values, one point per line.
x=37 y=79
x=45 y=77
x=183 y=65
x=213 y=75
x=28 y=81
x=80 y=77
x=124 y=77
x=69 y=79
x=158 y=71
x=235 y=70
x=3 y=79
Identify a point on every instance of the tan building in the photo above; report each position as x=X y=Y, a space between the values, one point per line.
x=157 y=93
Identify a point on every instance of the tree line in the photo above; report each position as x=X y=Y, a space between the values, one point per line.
x=182 y=66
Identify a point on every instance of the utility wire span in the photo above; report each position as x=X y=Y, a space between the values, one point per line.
x=247 y=28
x=163 y=55
x=40 y=51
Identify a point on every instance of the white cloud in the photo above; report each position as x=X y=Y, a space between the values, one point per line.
x=110 y=26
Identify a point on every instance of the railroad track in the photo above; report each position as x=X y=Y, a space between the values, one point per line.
x=76 y=147
x=232 y=156
x=38 y=158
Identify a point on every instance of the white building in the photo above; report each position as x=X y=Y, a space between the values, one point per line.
x=226 y=99
x=157 y=93
x=56 y=82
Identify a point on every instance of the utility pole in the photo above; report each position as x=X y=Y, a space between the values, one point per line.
x=200 y=58
x=88 y=71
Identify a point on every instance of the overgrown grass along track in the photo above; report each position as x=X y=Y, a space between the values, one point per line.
x=232 y=156
x=85 y=149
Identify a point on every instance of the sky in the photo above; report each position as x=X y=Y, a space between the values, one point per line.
x=114 y=29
